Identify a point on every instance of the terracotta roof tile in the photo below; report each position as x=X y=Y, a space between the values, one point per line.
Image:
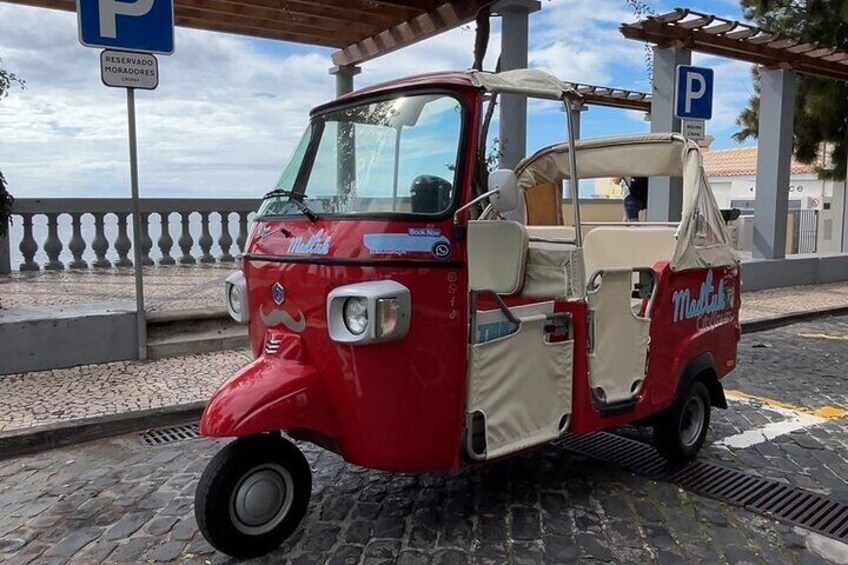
x=741 y=162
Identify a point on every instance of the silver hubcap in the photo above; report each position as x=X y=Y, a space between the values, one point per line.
x=692 y=421
x=261 y=499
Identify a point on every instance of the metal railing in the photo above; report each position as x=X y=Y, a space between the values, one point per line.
x=56 y=233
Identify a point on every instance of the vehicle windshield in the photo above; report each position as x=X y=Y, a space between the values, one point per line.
x=392 y=156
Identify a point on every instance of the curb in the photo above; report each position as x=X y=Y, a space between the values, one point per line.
x=62 y=434
x=780 y=320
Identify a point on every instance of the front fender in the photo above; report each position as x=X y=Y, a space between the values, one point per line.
x=271 y=394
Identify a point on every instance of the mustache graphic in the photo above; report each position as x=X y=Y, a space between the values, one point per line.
x=277 y=317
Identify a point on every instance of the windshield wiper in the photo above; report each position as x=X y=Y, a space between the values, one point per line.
x=313 y=217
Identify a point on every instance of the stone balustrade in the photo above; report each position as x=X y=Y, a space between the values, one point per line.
x=204 y=231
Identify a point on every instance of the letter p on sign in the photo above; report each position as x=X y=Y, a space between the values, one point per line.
x=110 y=9
x=694 y=93
x=145 y=26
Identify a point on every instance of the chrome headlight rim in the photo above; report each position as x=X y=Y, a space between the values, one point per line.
x=234 y=298
x=356 y=321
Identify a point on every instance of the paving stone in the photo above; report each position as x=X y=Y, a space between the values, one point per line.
x=526 y=523
x=167 y=552
x=358 y=532
x=320 y=537
x=74 y=541
x=594 y=547
x=132 y=550
x=412 y=557
x=128 y=525
x=346 y=555
x=450 y=557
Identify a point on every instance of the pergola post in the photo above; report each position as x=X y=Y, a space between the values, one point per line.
x=839 y=205
x=665 y=194
x=774 y=158
x=5 y=255
x=344 y=78
x=577 y=116
x=515 y=43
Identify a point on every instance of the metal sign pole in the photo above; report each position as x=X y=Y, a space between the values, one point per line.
x=141 y=321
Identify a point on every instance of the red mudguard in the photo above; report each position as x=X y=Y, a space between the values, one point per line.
x=275 y=392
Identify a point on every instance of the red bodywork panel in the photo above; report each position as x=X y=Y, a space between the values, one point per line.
x=400 y=406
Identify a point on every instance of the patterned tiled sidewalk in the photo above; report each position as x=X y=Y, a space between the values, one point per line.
x=165 y=288
x=49 y=397
x=174 y=288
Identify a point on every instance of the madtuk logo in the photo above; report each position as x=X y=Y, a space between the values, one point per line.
x=712 y=307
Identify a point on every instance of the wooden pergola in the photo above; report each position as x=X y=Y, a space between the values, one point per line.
x=611 y=97
x=359 y=29
x=711 y=34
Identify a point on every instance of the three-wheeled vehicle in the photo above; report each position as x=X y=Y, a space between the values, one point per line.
x=407 y=312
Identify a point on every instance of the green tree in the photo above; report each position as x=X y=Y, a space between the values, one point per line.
x=7 y=81
x=821 y=106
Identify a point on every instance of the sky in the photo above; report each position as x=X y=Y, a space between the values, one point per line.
x=230 y=110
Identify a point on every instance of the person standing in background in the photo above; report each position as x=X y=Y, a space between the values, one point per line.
x=637 y=197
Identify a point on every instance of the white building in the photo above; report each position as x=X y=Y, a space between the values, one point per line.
x=733 y=177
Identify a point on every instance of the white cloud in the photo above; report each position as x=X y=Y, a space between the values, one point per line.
x=229 y=110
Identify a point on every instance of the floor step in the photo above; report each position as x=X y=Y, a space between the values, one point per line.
x=189 y=343
x=186 y=332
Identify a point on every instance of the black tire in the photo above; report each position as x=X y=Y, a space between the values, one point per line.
x=225 y=487
x=674 y=435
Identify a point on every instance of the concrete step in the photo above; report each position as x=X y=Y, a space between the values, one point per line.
x=197 y=342
x=186 y=332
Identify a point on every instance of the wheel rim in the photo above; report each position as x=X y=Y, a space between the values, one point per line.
x=261 y=499
x=692 y=421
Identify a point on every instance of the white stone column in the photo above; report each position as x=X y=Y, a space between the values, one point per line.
x=515 y=44
x=665 y=194
x=344 y=78
x=774 y=158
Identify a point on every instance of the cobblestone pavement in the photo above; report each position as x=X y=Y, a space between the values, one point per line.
x=116 y=501
x=48 y=397
x=172 y=288
x=165 y=288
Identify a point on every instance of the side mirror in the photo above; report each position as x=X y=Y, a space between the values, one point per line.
x=505 y=187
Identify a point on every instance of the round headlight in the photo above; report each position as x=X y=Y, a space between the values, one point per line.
x=355 y=314
x=234 y=298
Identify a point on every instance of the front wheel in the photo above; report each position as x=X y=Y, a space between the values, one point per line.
x=680 y=432
x=252 y=495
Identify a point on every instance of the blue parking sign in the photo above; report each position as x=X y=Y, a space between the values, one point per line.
x=693 y=93
x=145 y=26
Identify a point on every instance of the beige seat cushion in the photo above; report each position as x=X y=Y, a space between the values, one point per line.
x=554 y=270
x=497 y=254
x=617 y=362
x=554 y=233
x=618 y=247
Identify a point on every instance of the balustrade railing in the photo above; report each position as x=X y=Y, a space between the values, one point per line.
x=82 y=233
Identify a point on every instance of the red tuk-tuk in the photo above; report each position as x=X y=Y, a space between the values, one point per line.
x=407 y=312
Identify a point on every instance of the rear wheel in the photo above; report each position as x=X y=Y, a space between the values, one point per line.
x=679 y=433
x=252 y=495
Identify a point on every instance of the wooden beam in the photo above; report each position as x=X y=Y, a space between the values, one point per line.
x=323 y=22
x=447 y=16
x=240 y=23
x=204 y=25
x=275 y=18
x=315 y=15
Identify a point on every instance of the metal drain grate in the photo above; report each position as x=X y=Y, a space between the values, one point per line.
x=765 y=496
x=161 y=436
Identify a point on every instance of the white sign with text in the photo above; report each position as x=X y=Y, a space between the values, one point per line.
x=129 y=70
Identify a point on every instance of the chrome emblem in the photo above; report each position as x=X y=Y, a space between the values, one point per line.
x=278 y=294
